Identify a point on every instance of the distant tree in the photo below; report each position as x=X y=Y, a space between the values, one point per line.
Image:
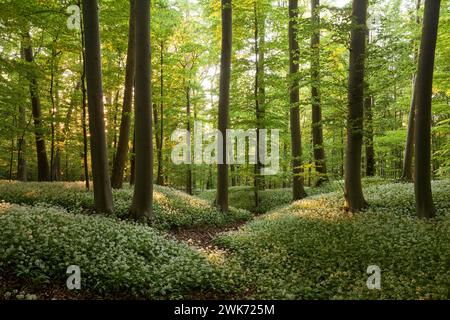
x=42 y=160
x=423 y=91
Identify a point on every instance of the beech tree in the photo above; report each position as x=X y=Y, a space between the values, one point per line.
x=224 y=104
x=296 y=140
x=42 y=160
x=99 y=156
x=354 y=198
x=142 y=207
x=423 y=91
x=317 y=127
x=125 y=124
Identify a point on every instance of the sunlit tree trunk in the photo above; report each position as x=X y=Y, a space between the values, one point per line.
x=99 y=155
x=423 y=90
x=125 y=124
x=142 y=207
x=354 y=197
x=294 y=52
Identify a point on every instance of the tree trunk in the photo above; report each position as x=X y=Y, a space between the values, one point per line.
x=21 y=143
x=370 y=153
x=133 y=160
x=142 y=207
x=125 y=124
x=188 y=127
x=159 y=129
x=43 y=167
x=317 y=128
x=99 y=155
x=355 y=124
x=422 y=135
x=224 y=104
x=258 y=165
x=407 y=174
x=56 y=168
x=296 y=140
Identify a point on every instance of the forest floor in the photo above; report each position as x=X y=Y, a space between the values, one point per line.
x=310 y=249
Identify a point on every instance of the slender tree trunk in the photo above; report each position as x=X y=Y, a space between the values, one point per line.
x=409 y=145
x=21 y=160
x=355 y=124
x=422 y=135
x=258 y=165
x=56 y=168
x=188 y=127
x=317 y=128
x=294 y=52
x=370 y=153
x=142 y=207
x=43 y=167
x=21 y=143
x=159 y=129
x=224 y=104
x=125 y=124
x=133 y=160
x=407 y=174
x=99 y=155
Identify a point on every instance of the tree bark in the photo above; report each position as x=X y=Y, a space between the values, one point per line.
x=354 y=197
x=370 y=153
x=43 y=166
x=99 y=155
x=224 y=104
x=422 y=134
x=125 y=124
x=317 y=128
x=407 y=174
x=142 y=207
x=21 y=143
x=159 y=128
x=296 y=140
x=188 y=127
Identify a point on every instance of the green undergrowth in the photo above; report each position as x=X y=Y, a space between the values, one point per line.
x=116 y=258
x=172 y=208
x=312 y=250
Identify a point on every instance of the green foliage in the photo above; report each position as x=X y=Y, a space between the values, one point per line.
x=312 y=250
x=128 y=260
x=173 y=209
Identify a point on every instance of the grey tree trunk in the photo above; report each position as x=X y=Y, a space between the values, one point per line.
x=296 y=140
x=99 y=155
x=317 y=127
x=188 y=128
x=354 y=198
x=422 y=134
x=142 y=207
x=125 y=124
x=21 y=143
x=43 y=166
x=224 y=103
